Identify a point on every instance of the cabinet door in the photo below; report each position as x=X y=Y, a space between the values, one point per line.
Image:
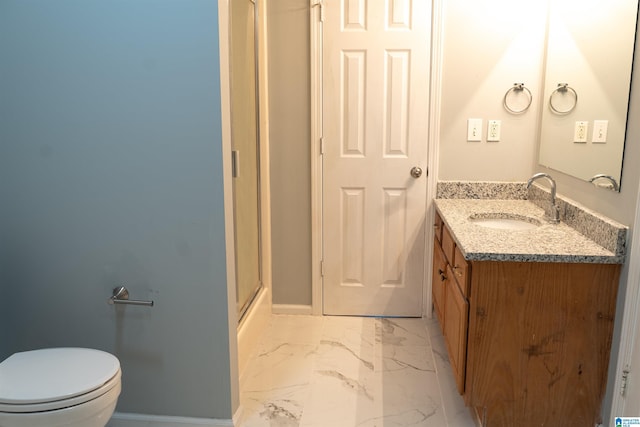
x=455 y=329
x=438 y=283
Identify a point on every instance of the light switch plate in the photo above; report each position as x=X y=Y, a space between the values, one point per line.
x=600 y=128
x=474 y=130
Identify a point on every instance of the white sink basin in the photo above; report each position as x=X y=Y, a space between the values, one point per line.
x=501 y=221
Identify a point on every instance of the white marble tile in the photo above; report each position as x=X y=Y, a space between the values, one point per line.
x=275 y=387
x=411 y=391
x=349 y=371
x=438 y=346
x=343 y=391
x=337 y=400
x=401 y=331
x=457 y=414
x=283 y=366
x=294 y=329
x=398 y=358
x=353 y=332
x=283 y=407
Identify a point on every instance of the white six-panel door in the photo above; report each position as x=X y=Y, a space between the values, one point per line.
x=375 y=90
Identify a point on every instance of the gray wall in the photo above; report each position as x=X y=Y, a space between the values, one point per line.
x=485 y=49
x=5 y=321
x=111 y=171
x=289 y=139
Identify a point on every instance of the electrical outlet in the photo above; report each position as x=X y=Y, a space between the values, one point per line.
x=474 y=130
x=493 y=130
x=580 y=131
x=600 y=128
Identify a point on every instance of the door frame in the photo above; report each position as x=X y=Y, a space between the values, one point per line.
x=435 y=80
x=315 y=20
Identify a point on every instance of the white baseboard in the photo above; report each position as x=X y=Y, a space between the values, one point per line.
x=291 y=309
x=143 y=420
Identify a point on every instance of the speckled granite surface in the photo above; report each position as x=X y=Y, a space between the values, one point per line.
x=602 y=230
x=546 y=243
x=598 y=229
x=481 y=190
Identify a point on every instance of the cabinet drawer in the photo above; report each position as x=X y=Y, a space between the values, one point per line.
x=448 y=244
x=437 y=226
x=461 y=271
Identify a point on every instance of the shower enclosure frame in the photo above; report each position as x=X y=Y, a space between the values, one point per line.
x=244 y=302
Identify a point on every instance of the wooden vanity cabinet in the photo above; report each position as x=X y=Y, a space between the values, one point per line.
x=449 y=290
x=529 y=342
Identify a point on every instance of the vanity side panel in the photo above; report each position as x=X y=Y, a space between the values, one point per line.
x=455 y=329
x=539 y=341
x=438 y=224
x=448 y=244
x=439 y=278
x=461 y=271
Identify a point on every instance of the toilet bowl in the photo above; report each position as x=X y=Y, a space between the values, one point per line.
x=55 y=387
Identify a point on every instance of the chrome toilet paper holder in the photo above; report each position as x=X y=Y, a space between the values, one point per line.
x=121 y=296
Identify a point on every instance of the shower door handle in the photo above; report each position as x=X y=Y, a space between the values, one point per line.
x=235 y=163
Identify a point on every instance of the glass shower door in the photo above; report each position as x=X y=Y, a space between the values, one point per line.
x=246 y=164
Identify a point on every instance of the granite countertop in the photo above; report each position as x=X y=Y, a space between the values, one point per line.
x=546 y=243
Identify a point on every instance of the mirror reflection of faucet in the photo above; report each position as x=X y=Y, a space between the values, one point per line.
x=612 y=184
x=555 y=209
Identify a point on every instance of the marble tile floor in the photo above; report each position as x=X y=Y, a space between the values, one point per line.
x=314 y=371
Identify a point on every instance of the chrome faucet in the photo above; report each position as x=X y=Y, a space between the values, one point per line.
x=555 y=210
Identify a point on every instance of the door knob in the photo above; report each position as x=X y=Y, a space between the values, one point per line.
x=416 y=172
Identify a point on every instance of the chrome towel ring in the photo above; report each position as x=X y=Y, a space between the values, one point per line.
x=511 y=95
x=612 y=184
x=563 y=89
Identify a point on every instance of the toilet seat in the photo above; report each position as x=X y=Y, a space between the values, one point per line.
x=55 y=378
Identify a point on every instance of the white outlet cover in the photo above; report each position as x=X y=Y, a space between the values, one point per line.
x=493 y=130
x=580 y=131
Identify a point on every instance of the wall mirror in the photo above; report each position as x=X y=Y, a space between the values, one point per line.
x=590 y=45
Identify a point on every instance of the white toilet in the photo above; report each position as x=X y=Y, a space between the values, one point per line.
x=55 y=387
